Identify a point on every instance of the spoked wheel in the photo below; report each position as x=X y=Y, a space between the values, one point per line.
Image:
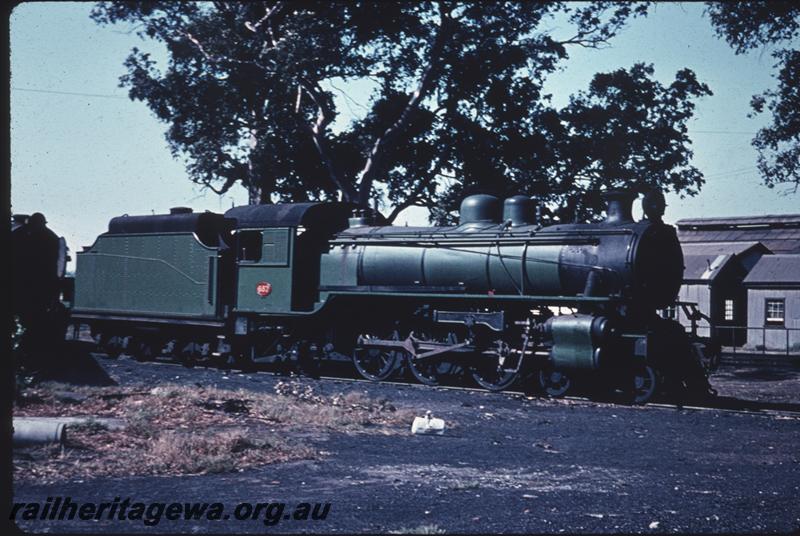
x=496 y=369
x=644 y=384
x=553 y=382
x=430 y=371
x=376 y=364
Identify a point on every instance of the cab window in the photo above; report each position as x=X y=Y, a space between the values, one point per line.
x=249 y=245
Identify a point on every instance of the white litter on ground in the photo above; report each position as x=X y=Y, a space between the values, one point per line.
x=427 y=425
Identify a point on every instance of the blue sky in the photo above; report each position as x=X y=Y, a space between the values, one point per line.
x=84 y=158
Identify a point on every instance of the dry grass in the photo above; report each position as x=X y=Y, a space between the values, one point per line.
x=187 y=453
x=176 y=429
x=343 y=411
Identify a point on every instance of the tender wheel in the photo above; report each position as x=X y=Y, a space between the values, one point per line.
x=243 y=360
x=376 y=364
x=553 y=382
x=189 y=354
x=170 y=349
x=142 y=350
x=110 y=345
x=496 y=369
x=308 y=360
x=644 y=384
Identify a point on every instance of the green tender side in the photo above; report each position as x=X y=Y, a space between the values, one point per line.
x=169 y=274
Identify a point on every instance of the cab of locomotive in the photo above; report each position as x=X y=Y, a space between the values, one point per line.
x=278 y=249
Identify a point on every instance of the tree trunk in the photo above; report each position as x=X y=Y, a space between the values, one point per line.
x=260 y=186
x=253 y=195
x=253 y=184
x=261 y=192
x=265 y=191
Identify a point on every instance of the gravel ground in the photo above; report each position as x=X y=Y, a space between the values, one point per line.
x=506 y=463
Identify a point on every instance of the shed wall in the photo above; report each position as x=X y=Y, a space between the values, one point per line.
x=700 y=294
x=773 y=338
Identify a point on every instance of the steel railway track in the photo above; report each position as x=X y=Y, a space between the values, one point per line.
x=720 y=403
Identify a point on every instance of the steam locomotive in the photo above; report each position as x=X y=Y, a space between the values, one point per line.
x=497 y=295
x=38 y=262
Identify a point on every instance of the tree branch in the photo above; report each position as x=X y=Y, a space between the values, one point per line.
x=201 y=48
x=229 y=182
x=324 y=118
x=324 y=109
x=221 y=60
x=265 y=19
x=413 y=196
x=367 y=174
x=224 y=60
x=400 y=208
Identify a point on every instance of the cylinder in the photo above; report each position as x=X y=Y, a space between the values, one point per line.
x=577 y=341
x=28 y=432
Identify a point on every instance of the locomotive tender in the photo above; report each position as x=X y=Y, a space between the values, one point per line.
x=496 y=295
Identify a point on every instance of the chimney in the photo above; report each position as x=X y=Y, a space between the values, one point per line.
x=619 y=208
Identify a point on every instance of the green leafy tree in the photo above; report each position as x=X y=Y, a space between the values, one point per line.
x=627 y=130
x=248 y=92
x=749 y=25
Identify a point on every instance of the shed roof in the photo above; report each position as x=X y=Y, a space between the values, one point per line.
x=720 y=248
x=769 y=219
x=775 y=270
x=704 y=267
x=779 y=233
x=704 y=261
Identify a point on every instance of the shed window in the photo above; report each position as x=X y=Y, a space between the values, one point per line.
x=728 y=309
x=774 y=311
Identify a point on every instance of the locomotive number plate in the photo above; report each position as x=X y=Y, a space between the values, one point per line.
x=263 y=289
